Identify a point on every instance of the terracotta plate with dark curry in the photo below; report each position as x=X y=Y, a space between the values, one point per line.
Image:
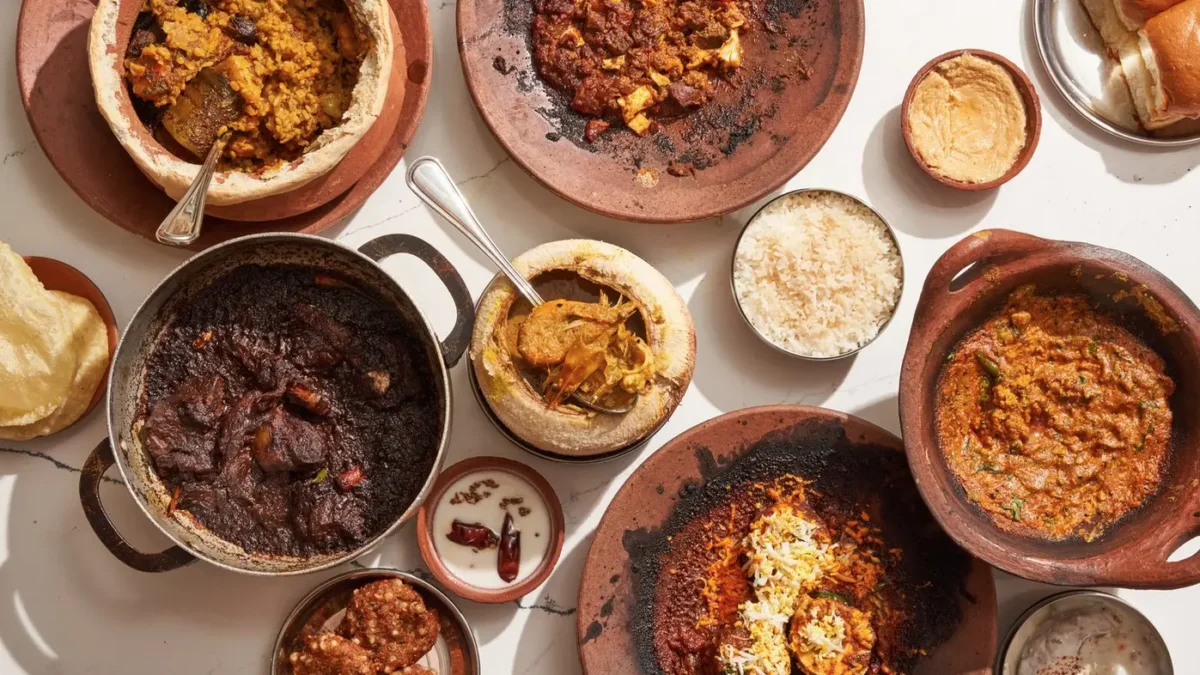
x=642 y=596
x=56 y=90
x=760 y=129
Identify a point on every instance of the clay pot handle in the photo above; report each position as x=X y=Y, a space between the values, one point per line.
x=1149 y=568
x=388 y=245
x=977 y=247
x=97 y=463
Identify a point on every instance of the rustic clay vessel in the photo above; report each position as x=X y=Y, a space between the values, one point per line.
x=52 y=71
x=109 y=35
x=455 y=653
x=1033 y=119
x=784 y=103
x=447 y=578
x=56 y=275
x=650 y=496
x=970 y=282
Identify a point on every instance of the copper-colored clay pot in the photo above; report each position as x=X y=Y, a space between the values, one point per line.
x=780 y=107
x=608 y=598
x=1033 y=119
x=52 y=72
x=969 y=283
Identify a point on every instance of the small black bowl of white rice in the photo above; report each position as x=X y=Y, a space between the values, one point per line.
x=817 y=274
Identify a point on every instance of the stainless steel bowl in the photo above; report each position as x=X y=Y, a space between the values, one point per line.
x=737 y=301
x=1029 y=625
x=323 y=608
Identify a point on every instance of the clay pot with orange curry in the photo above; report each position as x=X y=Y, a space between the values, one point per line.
x=1054 y=419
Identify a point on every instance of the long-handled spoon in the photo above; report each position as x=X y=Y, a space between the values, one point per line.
x=433 y=185
x=196 y=121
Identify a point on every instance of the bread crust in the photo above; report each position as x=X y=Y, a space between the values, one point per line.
x=565 y=430
x=1135 y=13
x=175 y=175
x=1171 y=47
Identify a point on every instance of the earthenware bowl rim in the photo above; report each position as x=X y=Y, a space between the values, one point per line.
x=738 y=245
x=433 y=561
x=1033 y=113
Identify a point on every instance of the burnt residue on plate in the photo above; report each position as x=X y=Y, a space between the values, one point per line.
x=789 y=37
x=846 y=477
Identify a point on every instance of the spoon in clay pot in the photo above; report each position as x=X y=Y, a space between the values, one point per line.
x=196 y=121
x=433 y=185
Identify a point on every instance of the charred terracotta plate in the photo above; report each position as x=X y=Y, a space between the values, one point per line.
x=690 y=474
x=53 y=76
x=56 y=275
x=784 y=103
x=455 y=653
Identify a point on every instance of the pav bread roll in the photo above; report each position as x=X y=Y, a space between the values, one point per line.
x=1135 y=13
x=1159 y=66
x=1170 y=46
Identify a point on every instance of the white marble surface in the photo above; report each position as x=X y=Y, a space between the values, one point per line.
x=66 y=606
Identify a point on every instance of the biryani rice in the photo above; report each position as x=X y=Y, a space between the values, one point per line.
x=817 y=273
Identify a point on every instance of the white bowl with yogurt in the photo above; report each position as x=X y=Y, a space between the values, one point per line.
x=491 y=529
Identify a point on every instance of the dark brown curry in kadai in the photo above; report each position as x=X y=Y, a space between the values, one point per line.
x=290 y=411
x=634 y=61
x=1053 y=418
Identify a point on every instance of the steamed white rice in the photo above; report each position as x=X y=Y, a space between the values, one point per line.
x=817 y=274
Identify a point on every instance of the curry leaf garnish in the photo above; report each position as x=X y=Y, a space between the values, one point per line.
x=990 y=468
x=830 y=595
x=1014 y=508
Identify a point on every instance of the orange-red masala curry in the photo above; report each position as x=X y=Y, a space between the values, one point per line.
x=1053 y=418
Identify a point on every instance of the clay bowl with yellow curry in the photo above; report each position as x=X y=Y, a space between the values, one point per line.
x=1046 y=400
x=971 y=119
x=612 y=331
x=307 y=78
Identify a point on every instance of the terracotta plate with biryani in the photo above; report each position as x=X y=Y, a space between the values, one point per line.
x=665 y=112
x=685 y=573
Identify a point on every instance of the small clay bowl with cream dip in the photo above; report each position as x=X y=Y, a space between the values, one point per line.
x=466 y=529
x=971 y=119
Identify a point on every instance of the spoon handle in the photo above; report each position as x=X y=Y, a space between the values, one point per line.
x=433 y=185
x=182 y=225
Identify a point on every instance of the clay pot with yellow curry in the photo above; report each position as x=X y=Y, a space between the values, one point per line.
x=308 y=79
x=612 y=331
x=1053 y=418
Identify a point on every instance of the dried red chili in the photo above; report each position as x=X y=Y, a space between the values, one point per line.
x=350 y=477
x=474 y=535
x=174 y=502
x=509 y=561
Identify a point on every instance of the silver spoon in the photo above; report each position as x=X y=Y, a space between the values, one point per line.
x=433 y=185
x=182 y=225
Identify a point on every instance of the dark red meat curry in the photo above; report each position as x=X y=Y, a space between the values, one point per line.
x=634 y=62
x=289 y=411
